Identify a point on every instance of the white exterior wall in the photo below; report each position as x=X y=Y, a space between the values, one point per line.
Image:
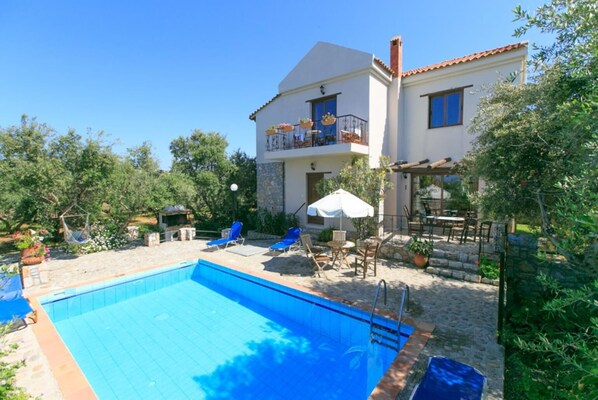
x=378 y=120
x=396 y=112
x=416 y=141
x=359 y=93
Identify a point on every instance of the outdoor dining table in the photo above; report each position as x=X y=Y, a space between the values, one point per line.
x=340 y=251
x=444 y=219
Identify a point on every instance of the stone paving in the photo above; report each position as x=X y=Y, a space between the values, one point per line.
x=464 y=313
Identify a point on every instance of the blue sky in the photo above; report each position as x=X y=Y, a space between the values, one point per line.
x=156 y=70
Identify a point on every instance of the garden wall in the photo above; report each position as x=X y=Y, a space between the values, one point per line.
x=526 y=260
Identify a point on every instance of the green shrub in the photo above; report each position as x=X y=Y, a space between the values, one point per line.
x=147 y=228
x=275 y=224
x=552 y=345
x=488 y=268
x=104 y=236
x=325 y=235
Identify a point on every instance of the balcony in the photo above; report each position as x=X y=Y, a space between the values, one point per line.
x=349 y=134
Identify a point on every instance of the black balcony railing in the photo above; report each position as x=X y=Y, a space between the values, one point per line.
x=346 y=129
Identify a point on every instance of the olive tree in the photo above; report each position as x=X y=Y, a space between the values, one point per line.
x=537 y=144
x=537 y=152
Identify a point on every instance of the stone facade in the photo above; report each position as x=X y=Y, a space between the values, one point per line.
x=270 y=187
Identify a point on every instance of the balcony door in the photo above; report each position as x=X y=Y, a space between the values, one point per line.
x=318 y=109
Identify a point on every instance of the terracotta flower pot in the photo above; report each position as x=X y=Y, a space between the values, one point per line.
x=420 y=260
x=328 y=121
x=28 y=257
x=306 y=125
x=270 y=131
x=287 y=128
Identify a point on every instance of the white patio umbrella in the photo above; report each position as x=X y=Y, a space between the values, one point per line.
x=340 y=204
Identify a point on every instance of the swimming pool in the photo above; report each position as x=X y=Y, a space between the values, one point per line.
x=200 y=330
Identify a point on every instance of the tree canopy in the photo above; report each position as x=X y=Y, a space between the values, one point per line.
x=536 y=151
x=537 y=143
x=45 y=174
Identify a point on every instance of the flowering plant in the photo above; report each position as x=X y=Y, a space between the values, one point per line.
x=30 y=239
x=284 y=125
x=328 y=117
x=304 y=120
x=272 y=127
x=103 y=237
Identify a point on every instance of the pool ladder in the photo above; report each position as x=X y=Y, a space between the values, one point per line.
x=384 y=335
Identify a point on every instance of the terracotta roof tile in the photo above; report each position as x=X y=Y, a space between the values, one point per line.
x=464 y=59
x=252 y=115
x=384 y=66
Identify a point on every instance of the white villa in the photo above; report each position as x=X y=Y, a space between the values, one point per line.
x=417 y=118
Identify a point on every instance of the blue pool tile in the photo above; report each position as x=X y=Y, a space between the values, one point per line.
x=177 y=334
x=73 y=306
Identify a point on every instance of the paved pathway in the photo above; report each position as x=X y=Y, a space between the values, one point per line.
x=464 y=313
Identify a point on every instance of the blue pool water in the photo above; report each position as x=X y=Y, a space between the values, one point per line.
x=202 y=331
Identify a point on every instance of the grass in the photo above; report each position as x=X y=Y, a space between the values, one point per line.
x=527 y=229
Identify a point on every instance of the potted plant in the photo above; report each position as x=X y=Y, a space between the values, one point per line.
x=422 y=250
x=285 y=127
x=31 y=246
x=328 y=119
x=271 y=130
x=306 y=123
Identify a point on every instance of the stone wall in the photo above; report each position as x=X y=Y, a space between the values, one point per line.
x=526 y=260
x=270 y=186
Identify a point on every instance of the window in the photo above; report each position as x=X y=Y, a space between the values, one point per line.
x=441 y=194
x=446 y=109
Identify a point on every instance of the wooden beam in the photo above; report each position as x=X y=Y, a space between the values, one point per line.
x=439 y=162
x=412 y=164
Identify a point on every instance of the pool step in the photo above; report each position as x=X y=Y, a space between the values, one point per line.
x=384 y=336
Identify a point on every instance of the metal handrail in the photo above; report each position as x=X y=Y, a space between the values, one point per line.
x=375 y=302
x=300 y=207
x=404 y=295
x=346 y=129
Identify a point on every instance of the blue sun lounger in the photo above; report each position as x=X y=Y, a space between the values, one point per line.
x=13 y=306
x=234 y=237
x=290 y=239
x=447 y=379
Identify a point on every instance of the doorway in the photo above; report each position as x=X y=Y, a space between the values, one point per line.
x=313 y=196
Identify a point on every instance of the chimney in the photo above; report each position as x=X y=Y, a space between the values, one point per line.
x=396 y=56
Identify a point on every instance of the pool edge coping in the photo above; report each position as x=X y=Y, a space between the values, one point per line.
x=74 y=385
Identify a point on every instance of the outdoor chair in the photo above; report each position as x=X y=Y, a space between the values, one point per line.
x=339 y=236
x=484 y=230
x=462 y=233
x=367 y=258
x=315 y=254
x=449 y=379
x=234 y=237
x=413 y=224
x=289 y=241
x=13 y=306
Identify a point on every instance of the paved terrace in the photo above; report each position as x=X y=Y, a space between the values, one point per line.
x=464 y=313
